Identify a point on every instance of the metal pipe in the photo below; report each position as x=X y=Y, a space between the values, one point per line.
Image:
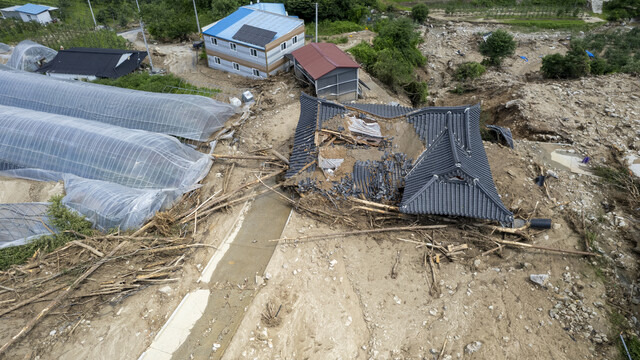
x=144 y=37
x=316 y=22
x=94 y=18
x=197 y=21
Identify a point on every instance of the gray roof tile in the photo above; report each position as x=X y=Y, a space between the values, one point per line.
x=502 y=132
x=383 y=111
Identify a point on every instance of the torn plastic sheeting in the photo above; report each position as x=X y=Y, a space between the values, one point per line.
x=108 y=205
x=44 y=146
x=20 y=223
x=329 y=163
x=361 y=127
x=191 y=117
x=29 y=56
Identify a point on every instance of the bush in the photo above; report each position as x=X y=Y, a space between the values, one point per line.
x=338 y=40
x=417 y=92
x=571 y=66
x=420 y=12
x=598 y=66
x=364 y=54
x=469 y=71
x=498 y=46
x=622 y=9
x=155 y=83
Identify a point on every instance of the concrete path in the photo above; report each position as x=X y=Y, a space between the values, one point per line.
x=205 y=321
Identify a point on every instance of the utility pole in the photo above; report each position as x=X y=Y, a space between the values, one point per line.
x=144 y=37
x=94 y=18
x=197 y=21
x=316 y=22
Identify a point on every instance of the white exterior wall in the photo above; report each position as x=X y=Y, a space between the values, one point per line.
x=43 y=17
x=226 y=65
x=11 y=15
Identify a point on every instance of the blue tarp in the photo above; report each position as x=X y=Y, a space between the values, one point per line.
x=524 y=58
x=589 y=53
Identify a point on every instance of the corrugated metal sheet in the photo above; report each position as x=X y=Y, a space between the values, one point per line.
x=32 y=9
x=229 y=26
x=319 y=59
x=452 y=176
x=503 y=132
x=381 y=110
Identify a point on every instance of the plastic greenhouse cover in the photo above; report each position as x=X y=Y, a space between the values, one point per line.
x=192 y=117
x=108 y=171
x=29 y=56
x=4 y=48
x=21 y=222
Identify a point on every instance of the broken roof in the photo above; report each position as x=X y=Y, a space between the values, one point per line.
x=229 y=27
x=103 y=63
x=452 y=176
x=319 y=59
x=503 y=132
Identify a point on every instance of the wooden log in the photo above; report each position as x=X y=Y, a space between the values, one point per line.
x=90 y=248
x=360 y=232
x=244 y=157
x=280 y=156
x=55 y=302
x=30 y=300
x=374 y=204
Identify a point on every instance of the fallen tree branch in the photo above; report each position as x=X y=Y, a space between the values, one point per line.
x=359 y=232
x=55 y=302
x=90 y=248
x=30 y=300
x=245 y=157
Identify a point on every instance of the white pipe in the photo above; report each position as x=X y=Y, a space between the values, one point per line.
x=144 y=37
x=316 y=22
x=94 y=18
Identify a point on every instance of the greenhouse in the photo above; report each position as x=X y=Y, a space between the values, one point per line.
x=114 y=176
x=29 y=56
x=191 y=117
x=22 y=222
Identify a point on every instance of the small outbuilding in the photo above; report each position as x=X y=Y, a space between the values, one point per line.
x=90 y=64
x=29 y=12
x=333 y=74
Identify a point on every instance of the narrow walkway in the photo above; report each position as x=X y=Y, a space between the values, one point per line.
x=232 y=284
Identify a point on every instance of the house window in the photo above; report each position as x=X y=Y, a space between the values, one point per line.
x=256 y=72
x=254 y=52
x=214 y=41
x=236 y=66
x=232 y=46
x=283 y=46
x=294 y=39
x=216 y=60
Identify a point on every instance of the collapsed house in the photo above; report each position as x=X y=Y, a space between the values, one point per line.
x=191 y=117
x=92 y=63
x=366 y=150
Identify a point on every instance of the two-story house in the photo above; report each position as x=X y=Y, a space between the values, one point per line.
x=253 y=41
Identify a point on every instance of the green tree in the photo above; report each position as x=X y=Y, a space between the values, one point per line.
x=419 y=13
x=573 y=65
x=400 y=34
x=222 y=8
x=498 y=46
x=469 y=71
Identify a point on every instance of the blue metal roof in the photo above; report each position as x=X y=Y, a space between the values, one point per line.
x=275 y=8
x=32 y=9
x=229 y=26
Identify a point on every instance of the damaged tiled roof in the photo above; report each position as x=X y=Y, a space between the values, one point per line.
x=381 y=110
x=503 y=132
x=313 y=112
x=452 y=176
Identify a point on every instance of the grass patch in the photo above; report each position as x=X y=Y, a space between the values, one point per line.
x=63 y=220
x=167 y=83
x=329 y=28
x=556 y=24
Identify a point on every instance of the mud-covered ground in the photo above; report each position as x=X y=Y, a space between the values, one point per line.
x=338 y=298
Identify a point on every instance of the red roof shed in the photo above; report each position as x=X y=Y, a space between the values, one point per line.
x=319 y=59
